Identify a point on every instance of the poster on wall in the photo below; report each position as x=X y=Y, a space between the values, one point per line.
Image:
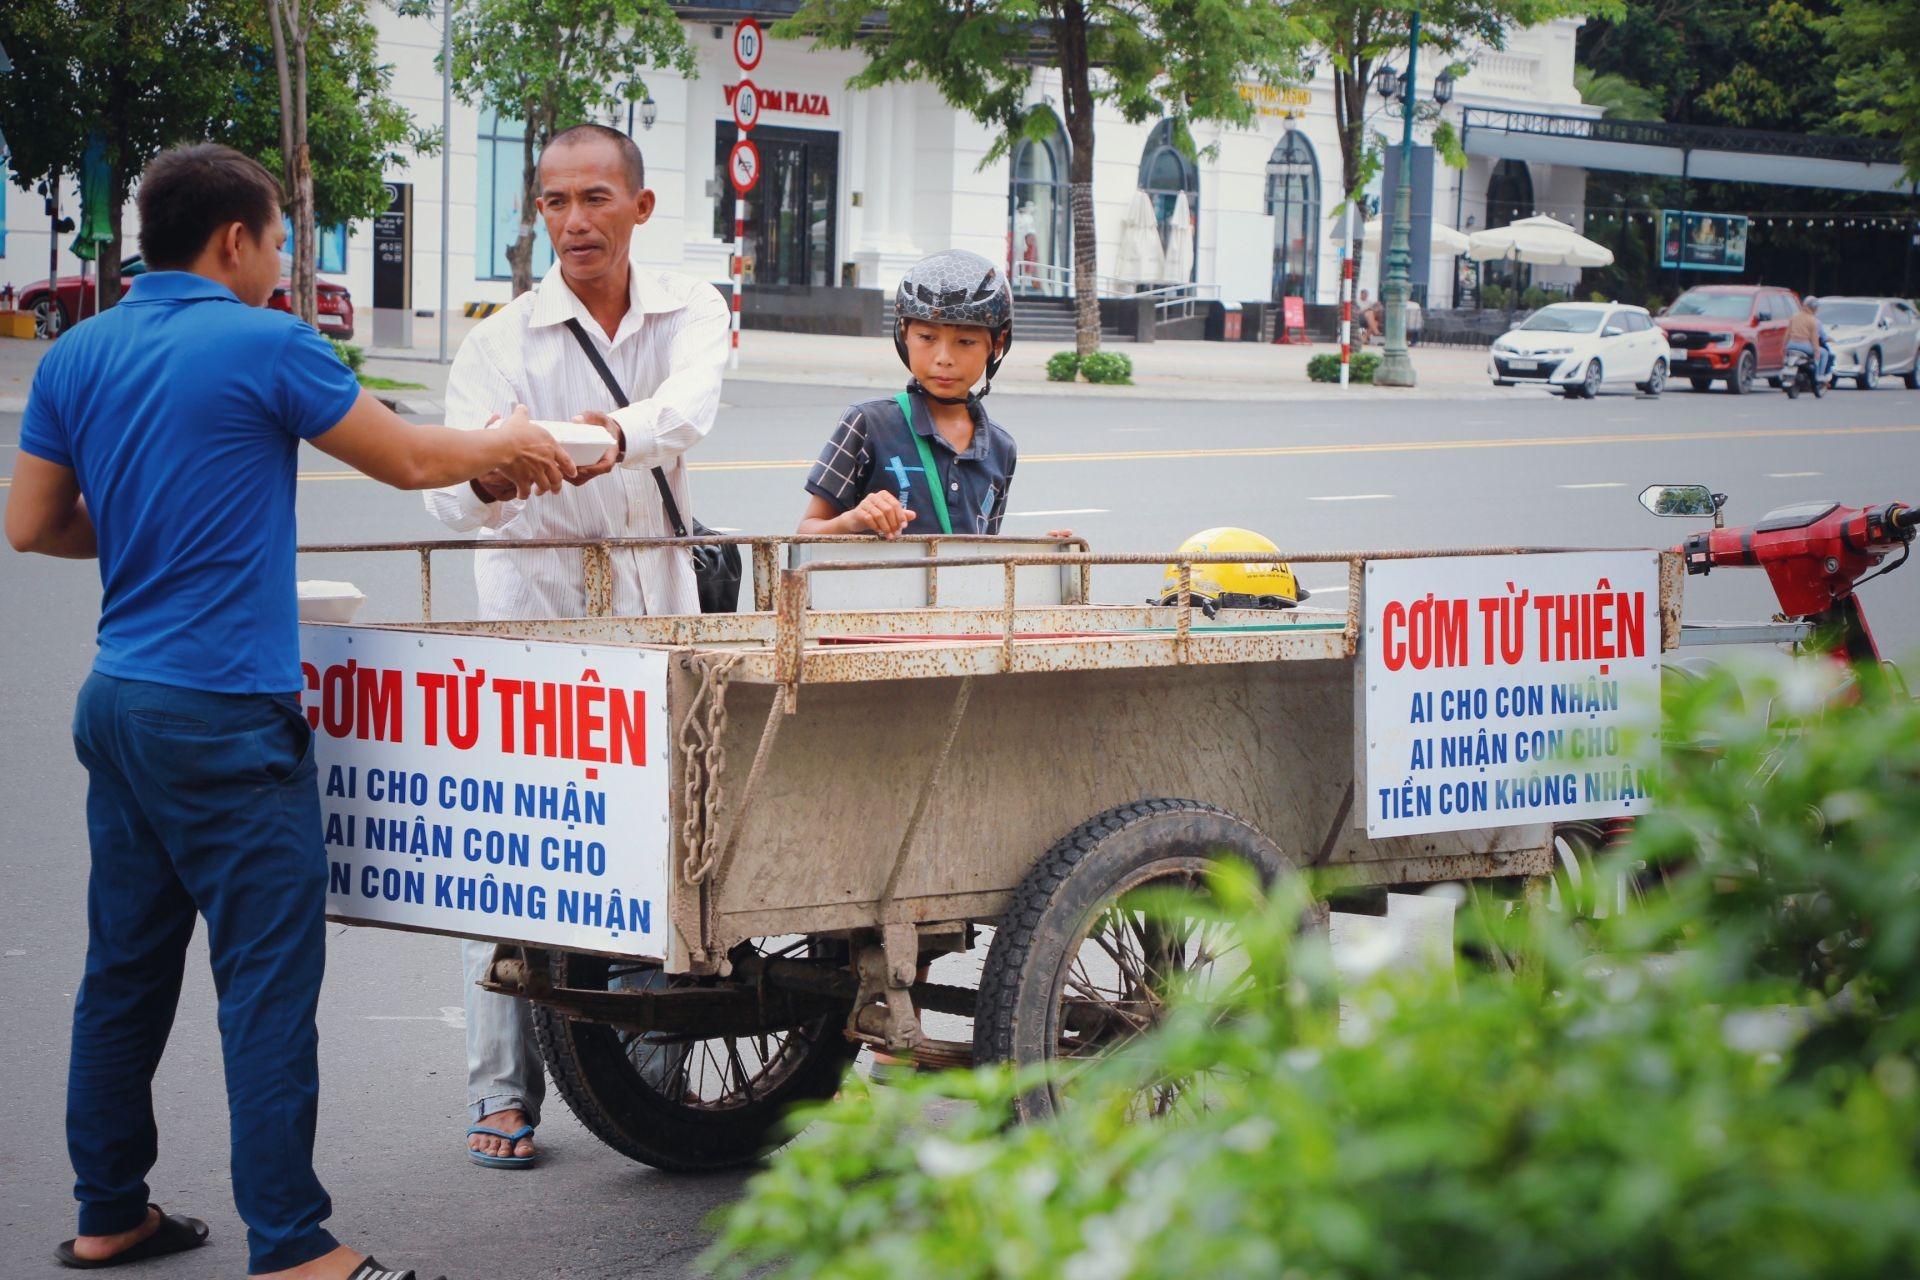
x=492 y=788
x=1509 y=690
x=1703 y=241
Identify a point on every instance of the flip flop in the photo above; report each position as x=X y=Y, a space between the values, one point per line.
x=499 y=1162
x=175 y=1234
x=371 y=1270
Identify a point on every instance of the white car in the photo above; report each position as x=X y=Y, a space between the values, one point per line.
x=1871 y=337
x=1581 y=348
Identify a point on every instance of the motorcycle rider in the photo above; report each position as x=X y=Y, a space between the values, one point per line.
x=1808 y=336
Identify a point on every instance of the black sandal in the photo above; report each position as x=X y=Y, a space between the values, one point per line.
x=371 y=1270
x=175 y=1234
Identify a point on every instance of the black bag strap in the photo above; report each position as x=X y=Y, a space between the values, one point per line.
x=620 y=397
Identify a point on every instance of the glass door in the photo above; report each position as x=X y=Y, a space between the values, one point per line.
x=792 y=212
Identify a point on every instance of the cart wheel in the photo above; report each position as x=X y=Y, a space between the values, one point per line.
x=676 y=1103
x=1074 y=971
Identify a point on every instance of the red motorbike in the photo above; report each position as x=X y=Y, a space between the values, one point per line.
x=1816 y=556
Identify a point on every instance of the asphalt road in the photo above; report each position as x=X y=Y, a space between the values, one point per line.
x=1314 y=476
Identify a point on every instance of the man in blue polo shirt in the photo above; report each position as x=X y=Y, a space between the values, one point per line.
x=162 y=438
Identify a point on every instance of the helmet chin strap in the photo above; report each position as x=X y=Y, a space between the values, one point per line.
x=969 y=398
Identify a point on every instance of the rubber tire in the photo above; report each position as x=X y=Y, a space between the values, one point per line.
x=1069 y=884
x=1792 y=386
x=592 y=1074
x=1912 y=376
x=45 y=308
x=1571 y=391
x=1700 y=384
x=1656 y=380
x=1869 y=378
x=1740 y=381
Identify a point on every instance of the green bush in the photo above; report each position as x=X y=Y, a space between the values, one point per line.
x=1535 y=298
x=1063 y=366
x=1111 y=367
x=1325 y=367
x=351 y=356
x=1699 y=1101
x=1493 y=297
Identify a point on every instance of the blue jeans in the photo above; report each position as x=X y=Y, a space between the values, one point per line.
x=201 y=804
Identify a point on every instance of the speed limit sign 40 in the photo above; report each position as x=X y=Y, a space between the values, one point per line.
x=746 y=105
x=749 y=42
x=743 y=165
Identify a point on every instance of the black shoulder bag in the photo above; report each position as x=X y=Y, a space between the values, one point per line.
x=716 y=565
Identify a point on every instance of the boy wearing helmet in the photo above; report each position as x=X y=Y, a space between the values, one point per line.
x=928 y=460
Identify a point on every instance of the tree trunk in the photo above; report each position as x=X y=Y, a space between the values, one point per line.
x=1077 y=88
x=108 y=259
x=1350 y=120
x=306 y=297
x=520 y=253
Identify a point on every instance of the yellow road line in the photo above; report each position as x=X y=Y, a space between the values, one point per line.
x=1325 y=450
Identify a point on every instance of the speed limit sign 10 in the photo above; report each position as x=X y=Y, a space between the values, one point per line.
x=746 y=105
x=749 y=42
x=743 y=165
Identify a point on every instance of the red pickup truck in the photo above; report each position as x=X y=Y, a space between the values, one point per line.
x=1728 y=332
x=68 y=302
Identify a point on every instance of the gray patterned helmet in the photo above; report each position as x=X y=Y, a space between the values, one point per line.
x=956 y=287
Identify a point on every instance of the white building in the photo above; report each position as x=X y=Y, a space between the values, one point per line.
x=860 y=184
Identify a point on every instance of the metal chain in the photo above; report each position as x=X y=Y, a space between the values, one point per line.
x=703 y=755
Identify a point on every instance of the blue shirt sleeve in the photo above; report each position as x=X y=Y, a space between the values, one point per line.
x=41 y=432
x=312 y=389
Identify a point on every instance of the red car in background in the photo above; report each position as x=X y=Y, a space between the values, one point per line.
x=68 y=302
x=1733 y=333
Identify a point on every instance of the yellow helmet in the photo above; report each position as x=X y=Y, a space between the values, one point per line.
x=1264 y=581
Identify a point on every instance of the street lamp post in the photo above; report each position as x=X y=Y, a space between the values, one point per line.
x=1396 y=367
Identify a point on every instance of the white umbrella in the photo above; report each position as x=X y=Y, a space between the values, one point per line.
x=1138 y=259
x=1445 y=239
x=1179 y=263
x=1542 y=241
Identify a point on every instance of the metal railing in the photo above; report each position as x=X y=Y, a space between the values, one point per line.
x=1684 y=137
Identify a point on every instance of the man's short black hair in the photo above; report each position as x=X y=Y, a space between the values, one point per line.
x=630 y=156
x=189 y=193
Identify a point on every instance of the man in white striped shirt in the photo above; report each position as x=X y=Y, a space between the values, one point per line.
x=664 y=336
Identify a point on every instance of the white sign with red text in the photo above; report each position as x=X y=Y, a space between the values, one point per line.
x=492 y=788
x=1509 y=690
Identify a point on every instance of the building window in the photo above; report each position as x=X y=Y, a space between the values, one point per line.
x=501 y=152
x=792 y=211
x=1167 y=170
x=1509 y=198
x=1509 y=193
x=330 y=245
x=1293 y=198
x=1041 y=226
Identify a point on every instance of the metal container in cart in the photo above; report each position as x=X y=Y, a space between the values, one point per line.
x=852 y=793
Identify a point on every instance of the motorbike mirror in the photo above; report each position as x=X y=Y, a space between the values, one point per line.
x=1684 y=500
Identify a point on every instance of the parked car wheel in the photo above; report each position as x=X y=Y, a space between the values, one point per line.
x=49 y=317
x=1740 y=381
x=1912 y=376
x=1656 y=379
x=1869 y=376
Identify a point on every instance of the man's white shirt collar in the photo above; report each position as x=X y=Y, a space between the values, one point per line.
x=555 y=303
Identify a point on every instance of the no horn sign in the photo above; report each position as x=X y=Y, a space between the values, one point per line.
x=743 y=166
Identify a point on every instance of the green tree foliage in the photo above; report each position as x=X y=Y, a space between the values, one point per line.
x=149 y=74
x=141 y=74
x=1719 y=62
x=557 y=63
x=1876 y=61
x=1146 y=58
x=1724 y=1084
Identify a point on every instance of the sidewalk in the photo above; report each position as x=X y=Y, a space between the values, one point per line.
x=1191 y=371
x=1161 y=370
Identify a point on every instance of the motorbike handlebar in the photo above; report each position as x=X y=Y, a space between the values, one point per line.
x=1905 y=518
